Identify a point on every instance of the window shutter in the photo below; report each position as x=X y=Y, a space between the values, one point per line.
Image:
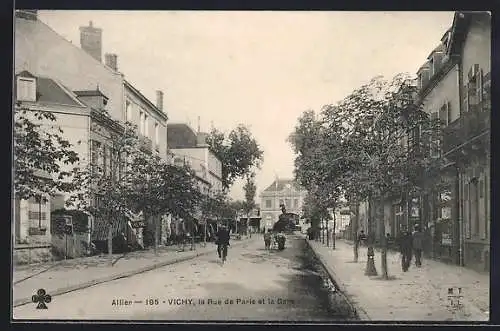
x=479 y=86
x=448 y=113
x=466 y=98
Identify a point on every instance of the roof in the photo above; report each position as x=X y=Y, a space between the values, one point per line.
x=459 y=29
x=438 y=48
x=181 y=135
x=202 y=138
x=90 y=93
x=51 y=92
x=281 y=184
x=146 y=100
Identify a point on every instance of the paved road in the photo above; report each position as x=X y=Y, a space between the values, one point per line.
x=253 y=285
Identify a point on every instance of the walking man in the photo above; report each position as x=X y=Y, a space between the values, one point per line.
x=267 y=240
x=405 y=246
x=418 y=243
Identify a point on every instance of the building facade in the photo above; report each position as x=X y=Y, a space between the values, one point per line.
x=281 y=191
x=184 y=145
x=466 y=140
x=34 y=235
x=43 y=52
x=453 y=87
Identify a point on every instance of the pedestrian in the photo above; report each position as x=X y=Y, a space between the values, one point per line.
x=417 y=245
x=267 y=240
x=405 y=247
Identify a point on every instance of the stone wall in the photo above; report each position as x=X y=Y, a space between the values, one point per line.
x=28 y=254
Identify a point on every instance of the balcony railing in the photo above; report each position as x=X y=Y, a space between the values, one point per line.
x=468 y=126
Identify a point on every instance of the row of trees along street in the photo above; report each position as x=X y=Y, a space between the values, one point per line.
x=374 y=145
x=133 y=180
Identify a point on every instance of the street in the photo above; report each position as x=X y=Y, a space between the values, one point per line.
x=253 y=285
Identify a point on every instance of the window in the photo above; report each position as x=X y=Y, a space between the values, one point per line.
x=474 y=88
x=37 y=213
x=295 y=203
x=444 y=114
x=157 y=135
x=436 y=142
x=287 y=203
x=141 y=124
x=128 y=111
x=268 y=203
x=96 y=155
x=146 y=126
x=26 y=89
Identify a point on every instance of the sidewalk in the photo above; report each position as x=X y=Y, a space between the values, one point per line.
x=70 y=275
x=419 y=294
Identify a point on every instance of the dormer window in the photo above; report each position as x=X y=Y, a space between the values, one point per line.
x=26 y=89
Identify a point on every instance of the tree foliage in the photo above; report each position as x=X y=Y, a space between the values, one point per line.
x=238 y=152
x=40 y=148
x=250 y=190
x=375 y=143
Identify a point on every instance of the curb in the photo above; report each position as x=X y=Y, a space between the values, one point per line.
x=59 y=291
x=360 y=312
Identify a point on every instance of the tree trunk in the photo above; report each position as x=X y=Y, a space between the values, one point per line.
x=334 y=227
x=370 y=262
x=327 y=234
x=110 y=242
x=322 y=231
x=385 y=243
x=355 y=226
x=155 y=224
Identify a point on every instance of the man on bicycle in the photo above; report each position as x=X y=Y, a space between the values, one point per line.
x=222 y=242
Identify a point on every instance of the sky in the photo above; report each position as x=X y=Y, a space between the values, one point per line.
x=258 y=68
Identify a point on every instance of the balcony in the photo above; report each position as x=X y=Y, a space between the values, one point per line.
x=469 y=126
x=145 y=144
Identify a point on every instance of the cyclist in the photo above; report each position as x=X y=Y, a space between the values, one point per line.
x=222 y=242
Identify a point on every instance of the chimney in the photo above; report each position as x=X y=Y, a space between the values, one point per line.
x=91 y=41
x=28 y=14
x=111 y=61
x=159 y=100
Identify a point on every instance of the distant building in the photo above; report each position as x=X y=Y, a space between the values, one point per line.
x=183 y=144
x=281 y=191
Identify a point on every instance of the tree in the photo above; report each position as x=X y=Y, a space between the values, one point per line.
x=249 y=204
x=355 y=148
x=104 y=187
x=40 y=147
x=239 y=152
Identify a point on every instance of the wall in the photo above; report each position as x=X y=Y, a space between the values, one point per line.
x=200 y=158
x=137 y=104
x=40 y=50
x=477 y=46
x=446 y=90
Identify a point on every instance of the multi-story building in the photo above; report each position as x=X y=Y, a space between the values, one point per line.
x=466 y=140
x=43 y=52
x=281 y=191
x=183 y=143
x=189 y=147
x=454 y=87
x=33 y=226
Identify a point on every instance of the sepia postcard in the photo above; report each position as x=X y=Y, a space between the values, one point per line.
x=251 y=166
